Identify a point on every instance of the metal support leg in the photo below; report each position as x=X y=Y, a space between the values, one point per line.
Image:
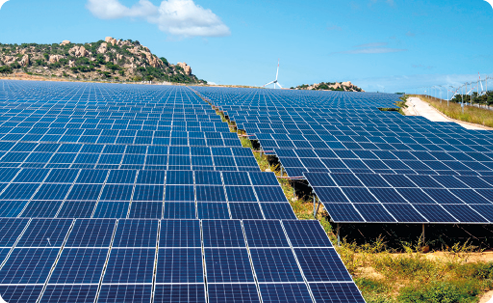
x=423 y=234
x=338 y=231
x=314 y=205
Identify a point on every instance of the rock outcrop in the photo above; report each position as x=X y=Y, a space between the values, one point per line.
x=103 y=48
x=78 y=51
x=331 y=86
x=111 y=40
x=54 y=58
x=24 y=61
x=110 y=59
x=187 y=69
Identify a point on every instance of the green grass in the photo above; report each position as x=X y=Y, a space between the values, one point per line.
x=453 y=110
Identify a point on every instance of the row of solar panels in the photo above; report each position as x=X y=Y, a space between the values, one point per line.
x=405 y=169
x=130 y=260
x=170 y=261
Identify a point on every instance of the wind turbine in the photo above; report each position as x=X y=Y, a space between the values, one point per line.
x=275 y=81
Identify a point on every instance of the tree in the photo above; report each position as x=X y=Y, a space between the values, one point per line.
x=5 y=69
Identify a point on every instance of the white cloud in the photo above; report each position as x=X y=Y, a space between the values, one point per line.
x=176 y=17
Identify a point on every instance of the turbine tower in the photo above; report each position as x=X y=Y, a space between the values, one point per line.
x=275 y=81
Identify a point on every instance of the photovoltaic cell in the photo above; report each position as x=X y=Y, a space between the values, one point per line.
x=73 y=293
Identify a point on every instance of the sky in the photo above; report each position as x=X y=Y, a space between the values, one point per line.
x=379 y=45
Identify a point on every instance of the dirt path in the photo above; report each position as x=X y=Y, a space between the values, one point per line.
x=418 y=107
x=487 y=298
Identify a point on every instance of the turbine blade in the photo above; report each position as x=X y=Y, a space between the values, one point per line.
x=269 y=83
x=279 y=84
x=277 y=74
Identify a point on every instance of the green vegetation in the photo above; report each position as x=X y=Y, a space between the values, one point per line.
x=126 y=60
x=453 y=110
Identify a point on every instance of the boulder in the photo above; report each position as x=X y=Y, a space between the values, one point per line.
x=9 y=60
x=71 y=63
x=24 y=61
x=111 y=40
x=186 y=68
x=78 y=51
x=54 y=58
x=65 y=42
x=103 y=48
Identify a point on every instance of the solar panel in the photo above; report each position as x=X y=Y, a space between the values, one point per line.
x=119 y=175
x=279 y=292
x=193 y=293
x=130 y=265
x=28 y=266
x=136 y=233
x=74 y=293
x=80 y=266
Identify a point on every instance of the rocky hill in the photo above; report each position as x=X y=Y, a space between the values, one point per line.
x=124 y=60
x=331 y=86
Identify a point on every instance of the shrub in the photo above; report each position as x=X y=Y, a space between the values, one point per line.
x=5 y=69
x=440 y=292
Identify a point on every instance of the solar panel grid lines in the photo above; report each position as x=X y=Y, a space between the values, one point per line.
x=442 y=200
x=94 y=155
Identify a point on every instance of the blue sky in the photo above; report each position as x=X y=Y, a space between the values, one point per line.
x=384 y=45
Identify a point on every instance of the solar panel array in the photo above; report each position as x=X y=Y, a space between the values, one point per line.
x=366 y=165
x=112 y=193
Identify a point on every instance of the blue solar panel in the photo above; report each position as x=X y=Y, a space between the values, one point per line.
x=118 y=293
x=277 y=211
x=78 y=265
x=45 y=233
x=228 y=265
x=10 y=229
x=190 y=293
x=28 y=266
x=136 y=233
x=73 y=293
x=244 y=293
x=306 y=234
x=91 y=233
x=265 y=234
x=133 y=265
x=321 y=265
x=222 y=233
x=275 y=265
x=336 y=292
x=179 y=265
x=285 y=293
x=180 y=233
x=20 y=293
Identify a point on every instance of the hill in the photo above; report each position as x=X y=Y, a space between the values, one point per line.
x=331 y=86
x=125 y=60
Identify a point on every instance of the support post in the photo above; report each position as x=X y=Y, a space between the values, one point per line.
x=338 y=232
x=314 y=205
x=423 y=234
